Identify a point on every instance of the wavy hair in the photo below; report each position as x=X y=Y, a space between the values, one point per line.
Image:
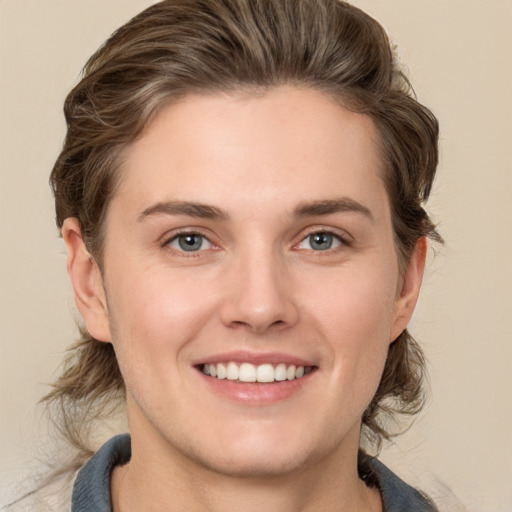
x=179 y=47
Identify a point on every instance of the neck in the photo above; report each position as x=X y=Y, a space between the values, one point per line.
x=164 y=479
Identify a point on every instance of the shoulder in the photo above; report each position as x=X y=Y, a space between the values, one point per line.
x=397 y=496
x=91 y=491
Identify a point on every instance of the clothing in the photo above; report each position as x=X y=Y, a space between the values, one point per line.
x=91 y=492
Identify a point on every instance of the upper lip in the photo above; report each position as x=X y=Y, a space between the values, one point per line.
x=242 y=356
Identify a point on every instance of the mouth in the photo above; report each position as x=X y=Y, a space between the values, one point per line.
x=266 y=373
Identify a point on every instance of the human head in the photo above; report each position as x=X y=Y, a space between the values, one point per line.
x=179 y=47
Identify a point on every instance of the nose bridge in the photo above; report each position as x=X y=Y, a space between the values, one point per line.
x=259 y=295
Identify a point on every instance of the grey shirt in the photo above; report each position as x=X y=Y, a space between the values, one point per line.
x=91 y=491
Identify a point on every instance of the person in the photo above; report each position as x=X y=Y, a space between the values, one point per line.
x=241 y=193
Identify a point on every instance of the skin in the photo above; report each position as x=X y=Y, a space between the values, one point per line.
x=257 y=284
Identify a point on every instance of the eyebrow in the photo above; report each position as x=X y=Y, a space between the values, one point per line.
x=190 y=209
x=330 y=206
x=206 y=211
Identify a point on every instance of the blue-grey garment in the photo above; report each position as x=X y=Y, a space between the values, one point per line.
x=91 y=491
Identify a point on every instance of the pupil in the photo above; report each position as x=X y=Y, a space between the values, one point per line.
x=321 y=241
x=190 y=242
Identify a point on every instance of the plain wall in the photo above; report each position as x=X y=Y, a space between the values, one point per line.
x=459 y=55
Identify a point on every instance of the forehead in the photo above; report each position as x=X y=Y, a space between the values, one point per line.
x=288 y=143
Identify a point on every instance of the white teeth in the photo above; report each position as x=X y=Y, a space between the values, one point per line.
x=232 y=371
x=248 y=372
x=221 y=371
x=280 y=372
x=265 y=373
x=290 y=372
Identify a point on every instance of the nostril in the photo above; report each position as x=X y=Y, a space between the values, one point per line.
x=258 y=313
x=238 y=324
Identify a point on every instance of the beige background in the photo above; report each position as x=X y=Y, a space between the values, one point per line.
x=459 y=53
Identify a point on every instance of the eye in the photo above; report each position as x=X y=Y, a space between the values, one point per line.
x=189 y=242
x=321 y=241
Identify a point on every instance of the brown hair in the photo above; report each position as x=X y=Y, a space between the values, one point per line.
x=178 y=47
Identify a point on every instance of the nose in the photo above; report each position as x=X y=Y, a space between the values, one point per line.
x=259 y=295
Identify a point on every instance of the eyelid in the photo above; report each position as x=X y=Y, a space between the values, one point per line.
x=175 y=234
x=342 y=236
x=172 y=242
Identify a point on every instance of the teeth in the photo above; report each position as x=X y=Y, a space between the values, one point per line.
x=232 y=371
x=280 y=372
x=221 y=371
x=248 y=372
x=265 y=373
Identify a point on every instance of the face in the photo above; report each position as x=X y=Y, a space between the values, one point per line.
x=251 y=281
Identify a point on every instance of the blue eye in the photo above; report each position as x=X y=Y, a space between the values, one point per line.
x=320 y=241
x=189 y=242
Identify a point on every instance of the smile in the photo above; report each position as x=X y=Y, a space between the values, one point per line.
x=263 y=373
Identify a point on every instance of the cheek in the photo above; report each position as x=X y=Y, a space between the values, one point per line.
x=357 y=320
x=359 y=302
x=153 y=318
x=153 y=314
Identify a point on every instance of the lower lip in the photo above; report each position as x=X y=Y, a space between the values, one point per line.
x=252 y=393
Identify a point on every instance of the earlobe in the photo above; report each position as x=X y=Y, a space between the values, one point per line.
x=410 y=289
x=87 y=282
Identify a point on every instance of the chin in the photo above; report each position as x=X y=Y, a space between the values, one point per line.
x=257 y=456
x=255 y=465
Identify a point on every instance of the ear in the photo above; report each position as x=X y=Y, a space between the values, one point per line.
x=87 y=282
x=410 y=289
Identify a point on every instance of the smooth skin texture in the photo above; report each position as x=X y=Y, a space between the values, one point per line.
x=250 y=180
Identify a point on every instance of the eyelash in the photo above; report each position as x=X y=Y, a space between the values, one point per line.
x=337 y=237
x=183 y=252
x=343 y=241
